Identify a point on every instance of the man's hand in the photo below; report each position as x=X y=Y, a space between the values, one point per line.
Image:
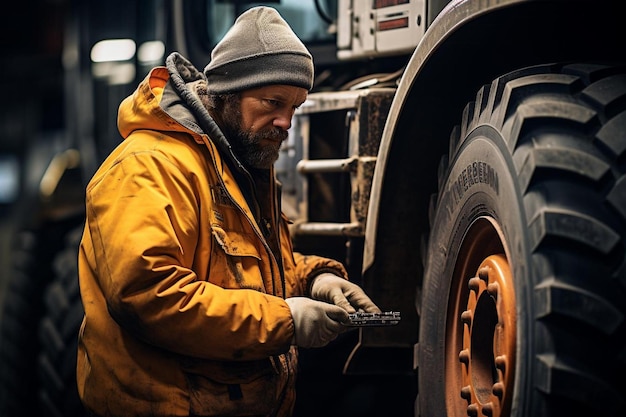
x=316 y=323
x=343 y=293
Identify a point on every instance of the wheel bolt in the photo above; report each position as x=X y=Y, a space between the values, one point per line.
x=498 y=389
x=493 y=289
x=484 y=273
x=466 y=317
x=501 y=362
x=464 y=356
x=474 y=284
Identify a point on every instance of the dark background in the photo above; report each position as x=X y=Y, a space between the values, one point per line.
x=31 y=39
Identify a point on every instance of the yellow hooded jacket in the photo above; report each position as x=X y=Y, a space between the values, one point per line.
x=183 y=297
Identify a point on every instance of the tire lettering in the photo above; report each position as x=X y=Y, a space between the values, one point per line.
x=475 y=173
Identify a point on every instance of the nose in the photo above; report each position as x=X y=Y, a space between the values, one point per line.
x=283 y=119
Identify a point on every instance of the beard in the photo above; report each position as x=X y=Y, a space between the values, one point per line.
x=258 y=150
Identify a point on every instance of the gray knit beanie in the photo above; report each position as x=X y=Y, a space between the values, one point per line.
x=259 y=49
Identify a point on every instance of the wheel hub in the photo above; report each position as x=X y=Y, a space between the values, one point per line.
x=489 y=334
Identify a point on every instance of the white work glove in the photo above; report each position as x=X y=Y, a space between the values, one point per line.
x=316 y=323
x=343 y=293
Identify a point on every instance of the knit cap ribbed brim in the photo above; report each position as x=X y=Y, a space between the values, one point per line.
x=259 y=49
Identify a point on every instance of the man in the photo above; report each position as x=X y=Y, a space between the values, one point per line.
x=194 y=300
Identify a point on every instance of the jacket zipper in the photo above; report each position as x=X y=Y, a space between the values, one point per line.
x=252 y=223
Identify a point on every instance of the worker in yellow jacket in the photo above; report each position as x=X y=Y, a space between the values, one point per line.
x=194 y=300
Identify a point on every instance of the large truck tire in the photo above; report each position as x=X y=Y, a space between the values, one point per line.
x=58 y=334
x=32 y=255
x=21 y=311
x=523 y=303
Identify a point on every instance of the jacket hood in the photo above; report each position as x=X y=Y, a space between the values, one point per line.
x=166 y=100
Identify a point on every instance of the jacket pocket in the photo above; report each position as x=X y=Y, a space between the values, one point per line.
x=233 y=388
x=235 y=243
x=236 y=262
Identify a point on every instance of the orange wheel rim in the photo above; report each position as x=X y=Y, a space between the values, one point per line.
x=481 y=332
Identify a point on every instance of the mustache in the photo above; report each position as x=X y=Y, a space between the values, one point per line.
x=274 y=134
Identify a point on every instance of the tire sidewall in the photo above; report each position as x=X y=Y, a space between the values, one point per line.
x=480 y=182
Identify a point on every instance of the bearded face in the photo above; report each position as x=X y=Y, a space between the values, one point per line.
x=258 y=149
